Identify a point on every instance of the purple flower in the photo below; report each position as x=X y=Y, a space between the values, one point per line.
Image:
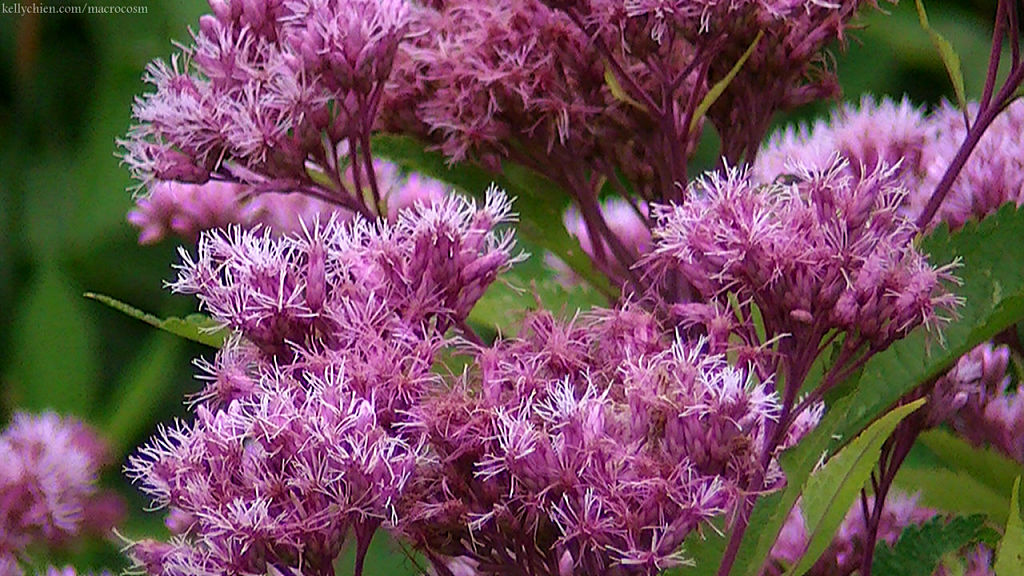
x=625 y=222
x=273 y=94
x=993 y=174
x=300 y=435
x=980 y=402
x=580 y=80
x=431 y=265
x=919 y=147
x=49 y=471
x=826 y=251
x=561 y=453
x=868 y=136
x=185 y=210
x=278 y=477
x=415 y=190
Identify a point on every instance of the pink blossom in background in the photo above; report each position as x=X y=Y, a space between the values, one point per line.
x=49 y=486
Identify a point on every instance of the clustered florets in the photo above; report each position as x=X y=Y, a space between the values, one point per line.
x=593 y=446
x=918 y=146
x=297 y=439
x=49 y=493
x=184 y=210
x=277 y=478
x=274 y=95
x=590 y=447
x=984 y=405
x=283 y=96
x=329 y=400
x=824 y=251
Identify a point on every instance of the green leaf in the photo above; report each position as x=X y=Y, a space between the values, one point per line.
x=829 y=492
x=1010 y=554
x=986 y=466
x=953 y=491
x=539 y=201
x=506 y=300
x=196 y=327
x=719 y=87
x=384 y=556
x=618 y=92
x=54 y=347
x=950 y=59
x=993 y=289
x=770 y=511
x=920 y=548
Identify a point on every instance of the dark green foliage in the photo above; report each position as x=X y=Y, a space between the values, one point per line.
x=993 y=289
x=920 y=548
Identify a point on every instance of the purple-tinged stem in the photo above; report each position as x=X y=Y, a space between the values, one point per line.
x=592 y=210
x=469 y=334
x=889 y=464
x=610 y=174
x=842 y=367
x=344 y=201
x=1012 y=18
x=371 y=173
x=625 y=80
x=993 y=59
x=984 y=119
x=357 y=177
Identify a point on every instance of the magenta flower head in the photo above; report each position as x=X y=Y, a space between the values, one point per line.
x=981 y=402
x=993 y=174
x=299 y=437
x=560 y=455
x=276 y=479
x=273 y=94
x=431 y=265
x=919 y=147
x=827 y=250
x=185 y=210
x=868 y=136
x=49 y=493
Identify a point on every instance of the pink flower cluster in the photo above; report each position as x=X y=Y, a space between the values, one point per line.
x=280 y=96
x=297 y=438
x=592 y=447
x=825 y=252
x=185 y=210
x=989 y=406
x=49 y=493
x=577 y=80
x=284 y=96
x=919 y=146
x=276 y=479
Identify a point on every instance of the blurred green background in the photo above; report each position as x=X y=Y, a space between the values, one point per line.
x=66 y=87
